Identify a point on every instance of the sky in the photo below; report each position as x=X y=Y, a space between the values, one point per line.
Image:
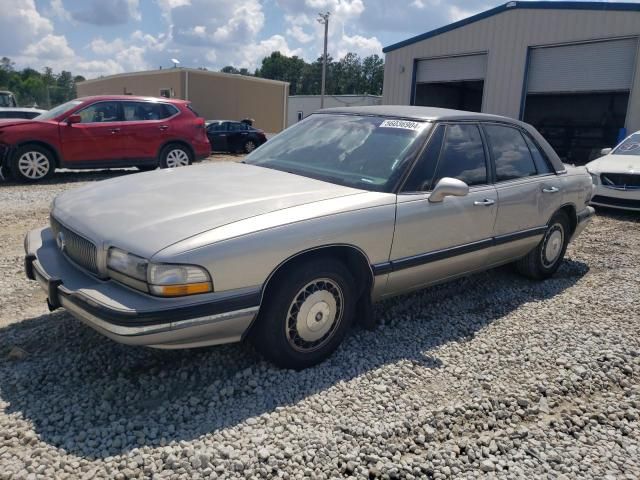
x=103 y=37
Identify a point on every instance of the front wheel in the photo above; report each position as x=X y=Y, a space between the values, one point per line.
x=32 y=163
x=307 y=314
x=544 y=260
x=175 y=155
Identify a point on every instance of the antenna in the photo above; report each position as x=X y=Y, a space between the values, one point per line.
x=175 y=62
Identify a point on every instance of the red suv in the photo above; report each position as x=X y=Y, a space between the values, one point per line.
x=103 y=132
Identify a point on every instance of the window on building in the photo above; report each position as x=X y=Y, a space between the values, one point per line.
x=166 y=92
x=300 y=115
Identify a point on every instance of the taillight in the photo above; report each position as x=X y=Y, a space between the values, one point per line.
x=199 y=122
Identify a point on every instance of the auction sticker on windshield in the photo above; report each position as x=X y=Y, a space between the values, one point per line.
x=404 y=124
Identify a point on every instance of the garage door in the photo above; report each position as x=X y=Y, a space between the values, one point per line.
x=589 y=67
x=451 y=69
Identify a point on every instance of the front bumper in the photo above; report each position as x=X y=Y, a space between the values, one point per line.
x=616 y=198
x=132 y=317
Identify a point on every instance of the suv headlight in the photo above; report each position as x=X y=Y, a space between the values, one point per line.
x=595 y=178
x=163 y=280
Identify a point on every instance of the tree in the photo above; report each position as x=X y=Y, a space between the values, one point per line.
x=280 y=67
x=372 y=75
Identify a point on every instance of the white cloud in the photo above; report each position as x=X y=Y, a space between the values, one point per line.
x=111 y=12
x=57 y=10
x=51 y=47
x=458 y=13
x=20 y=23
x=299 y=34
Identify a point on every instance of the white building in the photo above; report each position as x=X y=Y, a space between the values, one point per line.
x=301 y=106
x=571 y=69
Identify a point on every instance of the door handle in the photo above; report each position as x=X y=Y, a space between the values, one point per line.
x=163 y=127
x=550 y=190
x=487 y=202
x=115 y=130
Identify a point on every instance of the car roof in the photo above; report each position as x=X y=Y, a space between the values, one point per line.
x=432 y=114
x=133 y=98
x=417 y=113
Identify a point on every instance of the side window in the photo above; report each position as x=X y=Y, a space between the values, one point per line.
x=142 y=111
x=462 y=156
x=226 y=126
x=510 y=153
x=235 y=127
x=539 y=158
x=101 y=112
x=422 y=174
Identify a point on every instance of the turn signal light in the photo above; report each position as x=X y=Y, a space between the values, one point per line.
x=181 y=290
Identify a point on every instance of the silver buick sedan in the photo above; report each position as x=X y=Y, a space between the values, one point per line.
x=289 y=247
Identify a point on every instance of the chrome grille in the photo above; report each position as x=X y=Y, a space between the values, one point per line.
x=621 y=181
x=77 y=248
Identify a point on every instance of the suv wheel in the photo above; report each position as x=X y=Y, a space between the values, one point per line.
x=173 y=156
x=32 y=163
x=307 y=314
x=544 y=260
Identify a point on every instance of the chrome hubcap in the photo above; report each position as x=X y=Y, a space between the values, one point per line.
x=250 y=147
x=552 y=245
x=33 y=165
x=177 y=158
x=314 y=315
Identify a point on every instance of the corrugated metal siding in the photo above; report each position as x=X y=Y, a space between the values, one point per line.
x=597 y=66
x=506 y=38
x=447 y=69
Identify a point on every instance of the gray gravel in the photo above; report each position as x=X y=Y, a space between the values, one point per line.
x=493 y=375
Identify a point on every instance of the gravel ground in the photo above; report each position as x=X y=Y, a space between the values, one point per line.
x=490 y=375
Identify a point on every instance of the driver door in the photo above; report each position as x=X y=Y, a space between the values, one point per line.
x=437 y=241
x=98 y=138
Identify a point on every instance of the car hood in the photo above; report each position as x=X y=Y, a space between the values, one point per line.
x=146 y=212
x=615 y=164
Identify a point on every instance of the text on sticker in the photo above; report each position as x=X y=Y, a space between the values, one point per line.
x=406 y=124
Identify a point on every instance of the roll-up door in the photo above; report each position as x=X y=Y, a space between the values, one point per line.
x=451 y=69
x=604 y=66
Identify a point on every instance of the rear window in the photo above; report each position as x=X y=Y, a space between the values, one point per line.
x=631 y=146
x=141 y=111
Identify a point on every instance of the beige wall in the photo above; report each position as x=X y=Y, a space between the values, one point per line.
x=506 y=37
x=214 y=95
x=231 y=97
x=148 y=84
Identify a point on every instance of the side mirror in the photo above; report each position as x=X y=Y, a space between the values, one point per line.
x=448 y=187
x=71 y=119
x=605 y=151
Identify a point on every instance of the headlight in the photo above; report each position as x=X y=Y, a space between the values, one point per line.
x=595 y=178
x=127 y=264
x=164 y=280
x=177 y=280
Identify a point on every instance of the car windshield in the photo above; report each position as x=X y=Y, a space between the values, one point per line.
x=6 y=100
x=631 y=146
x=59 y=110
x=357 y=151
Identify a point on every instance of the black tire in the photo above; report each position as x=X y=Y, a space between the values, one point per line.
x=249 y=146
x=32 y=163
x=544 y=260
x=276 y=334
x=175 y=149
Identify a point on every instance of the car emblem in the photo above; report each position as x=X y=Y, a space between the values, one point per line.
x=60 y=241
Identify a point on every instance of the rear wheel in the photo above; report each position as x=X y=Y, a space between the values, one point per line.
x=249 y=146
x=32 y=163
x=544 y=260
x=175 y=155
x=307 y=313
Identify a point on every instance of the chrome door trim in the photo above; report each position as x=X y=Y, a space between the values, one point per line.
x=436 y=255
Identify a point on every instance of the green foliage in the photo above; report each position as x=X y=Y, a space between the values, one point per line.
x=350 y=75
x=45 y=89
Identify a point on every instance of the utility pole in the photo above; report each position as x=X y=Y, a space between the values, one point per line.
x=323 y=18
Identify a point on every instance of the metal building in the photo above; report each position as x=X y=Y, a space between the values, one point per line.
x=214 y=95
x=301 y=106
x=572 y=69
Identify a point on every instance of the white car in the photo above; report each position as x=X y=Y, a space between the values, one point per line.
x=616 y=175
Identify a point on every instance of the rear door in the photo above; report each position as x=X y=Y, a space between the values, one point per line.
x=528 y=190
x=217 y=133
x=146 y=126
x=236 y=134
x=97 y=139
x=436 y=241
